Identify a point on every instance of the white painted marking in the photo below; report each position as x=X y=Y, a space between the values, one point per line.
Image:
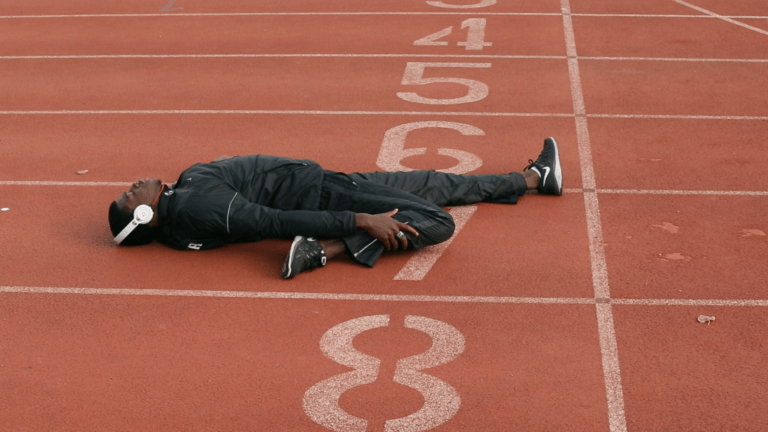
x=441 y=401
x=689 y=302
x=482 y=3
x=414 y=75
x=286 y=14
x=286 y=112
x=293 y=295
x=724 y=18
x=678 y=59
x=4 y=209
x=391 y=154
x=681 y=192
x=419 y=113
x=662 y=16
x=371 y=14
x=432 y=40
x=321 y=401
x=609 y=351
x=422 y=261
x=681 y=117
x=475 y=34
x=173 y=56
x=169 y=7
x=377 y=297
x=611 y=371
x=393 y=150
x=63 y=183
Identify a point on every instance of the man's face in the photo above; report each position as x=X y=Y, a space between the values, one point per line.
x=141 y=192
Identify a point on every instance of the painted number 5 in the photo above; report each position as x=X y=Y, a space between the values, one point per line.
x=414 y=75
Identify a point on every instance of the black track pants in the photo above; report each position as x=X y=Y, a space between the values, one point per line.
x=418 y=196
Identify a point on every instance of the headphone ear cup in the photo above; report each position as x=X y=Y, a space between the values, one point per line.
x=143 y=214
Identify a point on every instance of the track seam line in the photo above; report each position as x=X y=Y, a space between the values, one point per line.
x=604 y=314
x=376 y=297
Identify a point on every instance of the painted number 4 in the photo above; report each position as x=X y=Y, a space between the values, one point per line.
x=475 y=35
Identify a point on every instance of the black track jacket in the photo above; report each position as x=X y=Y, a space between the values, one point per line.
x=246 y=199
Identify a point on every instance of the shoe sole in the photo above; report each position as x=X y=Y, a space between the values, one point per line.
x=291 y=254
x=558 y=171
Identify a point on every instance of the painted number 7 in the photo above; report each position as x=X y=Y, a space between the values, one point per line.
x=414 y=75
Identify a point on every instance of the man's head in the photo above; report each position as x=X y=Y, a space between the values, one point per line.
x=121 y=211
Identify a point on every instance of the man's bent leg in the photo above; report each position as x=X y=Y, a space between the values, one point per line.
x=434 y=224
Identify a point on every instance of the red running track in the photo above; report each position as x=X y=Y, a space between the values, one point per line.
x=574 y=313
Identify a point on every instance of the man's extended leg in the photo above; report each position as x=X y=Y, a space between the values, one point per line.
x=453 y=189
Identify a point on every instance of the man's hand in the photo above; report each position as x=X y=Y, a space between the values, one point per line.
x=384 y=229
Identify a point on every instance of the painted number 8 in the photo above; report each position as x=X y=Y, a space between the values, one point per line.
x=441 y=401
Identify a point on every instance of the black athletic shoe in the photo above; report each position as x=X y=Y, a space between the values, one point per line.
x=306 y=254
x=547 y=166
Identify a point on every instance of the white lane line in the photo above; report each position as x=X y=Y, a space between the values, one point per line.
x=686 y=302
x=379 y=297
x=154 y=56
x=300 y=112
x=294 y=295
x=372 y=14
x=241 y=14
x=680 y=192
x=62 y=183
x=611 y=371
x=664 y=16
x=407 y=113
x=605 y=327
x=422 y=261
x=462 y=56
x=676 y=117
x=724 y=18
x=675 y=59
x=404 y=113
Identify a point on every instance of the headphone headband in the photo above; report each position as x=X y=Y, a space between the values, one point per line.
x=141 y=216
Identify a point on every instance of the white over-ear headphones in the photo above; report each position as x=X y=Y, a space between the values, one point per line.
x=142 y=215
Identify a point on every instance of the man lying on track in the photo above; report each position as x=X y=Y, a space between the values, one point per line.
x=250 y=198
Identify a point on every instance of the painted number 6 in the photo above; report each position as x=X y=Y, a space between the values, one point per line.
x=414 y=75
x=393 y=147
